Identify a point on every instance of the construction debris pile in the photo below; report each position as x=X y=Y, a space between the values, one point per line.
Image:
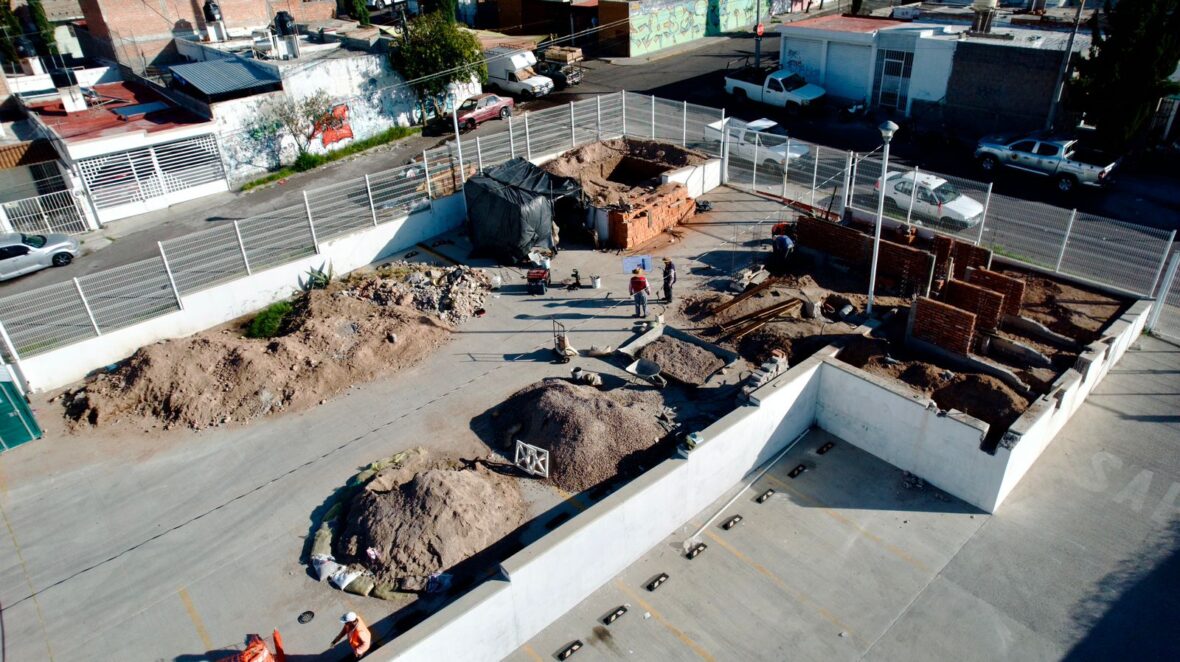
x=591 y=435
x=413 y=520
x=682 y=361
x=349 y=333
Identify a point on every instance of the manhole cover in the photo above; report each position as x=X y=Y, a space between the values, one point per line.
x=306 y=617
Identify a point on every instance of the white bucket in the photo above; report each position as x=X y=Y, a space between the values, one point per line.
x=596 y=282
x=545 y=262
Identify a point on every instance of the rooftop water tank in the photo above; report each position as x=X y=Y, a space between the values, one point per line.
x=284 y=24
x=212 y=11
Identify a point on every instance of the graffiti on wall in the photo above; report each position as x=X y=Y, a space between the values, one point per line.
x=735 y=16
x=655 y=26
x=334 y=128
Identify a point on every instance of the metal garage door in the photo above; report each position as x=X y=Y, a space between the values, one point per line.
x=148 y=173
x=849 y=72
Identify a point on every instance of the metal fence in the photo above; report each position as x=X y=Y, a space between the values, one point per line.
x=40 y=320
x=58 y=211
x=1165 y=316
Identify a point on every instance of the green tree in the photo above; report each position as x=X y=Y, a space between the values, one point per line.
x=1132 y=53
x=360 y=12
x=303 y=119
x=44 y=28
x=10 y=29
x=449 y=9
x=436 y=53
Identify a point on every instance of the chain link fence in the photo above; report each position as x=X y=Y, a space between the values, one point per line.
x=1101 y=249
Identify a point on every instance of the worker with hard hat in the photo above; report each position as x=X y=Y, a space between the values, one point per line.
x=357 y=633
x=640 y=291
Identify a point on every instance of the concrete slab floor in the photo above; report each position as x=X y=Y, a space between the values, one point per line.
x=1081 y=561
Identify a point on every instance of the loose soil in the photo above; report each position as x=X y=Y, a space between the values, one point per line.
x=1071 y=310
x=349 y=333
x=592 y=436
x=682 y=361
x=426 y=516
x=611 y=170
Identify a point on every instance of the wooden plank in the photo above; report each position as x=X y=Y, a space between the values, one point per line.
x=760 y=287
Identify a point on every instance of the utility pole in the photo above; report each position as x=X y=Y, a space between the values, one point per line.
x=758 y=37
x=1060 y=85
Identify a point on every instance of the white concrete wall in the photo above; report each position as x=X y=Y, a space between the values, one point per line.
x=43 y=83
x=234 y=299
x=931 y=70
x=699 y=180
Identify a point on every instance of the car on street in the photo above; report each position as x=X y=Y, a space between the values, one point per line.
x=1062 y=160
x=935 y=199
x=763 y=141
x=782 y=88
x=22 y=254
x=483 y=107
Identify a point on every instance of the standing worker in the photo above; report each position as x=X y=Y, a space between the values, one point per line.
x=640 y=291
x=669 y=279
x=357 y=632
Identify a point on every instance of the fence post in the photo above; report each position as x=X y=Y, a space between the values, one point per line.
x=684 y=126
x=573 y=129
x=315 y=242
x=786 y=166
x=5 y=224
x=478 y=155
x=598 y=117
x=511 y=140
x=724 y=149
x=168 y=270
x=369 y=192
x=86 y=305
x=16 y=360
x=528 y=143
x=847 y=178
x=242 y=247
x=426 y=169
x=653 y=116
x=1163 y=258
x=1065 y=240
x=814 y=176
x=1160 y=301
x=913 y=195
x=754 y=175
x=983 y=217
x=623 y=96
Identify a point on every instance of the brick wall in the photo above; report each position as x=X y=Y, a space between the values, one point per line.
x=840 y=241
x=907 y=267
x=987 y=304
x=943 y=325
x=961 y=254
x=139 y=32
x=1011 y=288
x=650 y=215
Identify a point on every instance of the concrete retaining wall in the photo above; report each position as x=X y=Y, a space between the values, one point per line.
x=236 y=298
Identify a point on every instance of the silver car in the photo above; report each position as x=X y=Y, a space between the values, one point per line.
x=22 y=254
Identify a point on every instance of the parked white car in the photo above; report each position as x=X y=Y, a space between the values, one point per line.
x=763 y=140
x=22 y=254
x=936 y=200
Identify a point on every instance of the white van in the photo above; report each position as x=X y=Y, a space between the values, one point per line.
x=511 y=70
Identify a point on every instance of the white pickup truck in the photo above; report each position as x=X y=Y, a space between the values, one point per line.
x=781 y=88
x=762 y=141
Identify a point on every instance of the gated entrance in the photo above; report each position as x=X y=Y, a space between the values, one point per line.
x=17 y=425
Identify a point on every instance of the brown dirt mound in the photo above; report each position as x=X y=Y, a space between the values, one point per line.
x=595 y=165
x=424 y=520
x=337 y=337
x=591 y=435
x=682 y=361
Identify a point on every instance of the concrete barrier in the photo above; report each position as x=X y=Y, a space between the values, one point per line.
x=233 y=299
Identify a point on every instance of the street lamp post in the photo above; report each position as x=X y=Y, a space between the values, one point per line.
x=459 y=141
x=887 y=130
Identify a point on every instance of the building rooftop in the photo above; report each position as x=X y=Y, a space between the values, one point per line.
x=221 y=77
x=115 y=108
x=838 y=23
x=1011 y=36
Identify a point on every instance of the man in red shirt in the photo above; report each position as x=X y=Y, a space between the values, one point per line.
x=639 y=291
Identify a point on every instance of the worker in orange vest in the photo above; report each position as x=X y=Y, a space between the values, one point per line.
x=357 y=632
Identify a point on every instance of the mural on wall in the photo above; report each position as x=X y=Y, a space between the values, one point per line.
x=336 y=128
x=737 y=16
x=655 y=26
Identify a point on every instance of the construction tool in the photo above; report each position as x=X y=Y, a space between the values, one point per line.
x=538 y=280
x=561 y=343
x=648 y=371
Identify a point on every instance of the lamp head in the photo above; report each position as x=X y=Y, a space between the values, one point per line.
x=888 y=128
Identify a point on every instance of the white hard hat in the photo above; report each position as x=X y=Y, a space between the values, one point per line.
x=350 y=617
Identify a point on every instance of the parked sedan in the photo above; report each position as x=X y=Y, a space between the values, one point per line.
x=22 y=254
x=483 y=107
x=936 y=200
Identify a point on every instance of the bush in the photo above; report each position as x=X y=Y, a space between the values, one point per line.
x=269 y=322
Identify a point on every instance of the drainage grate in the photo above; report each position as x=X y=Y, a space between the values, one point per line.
x=306 y=617
x=614 y=615
x=655 y=583
x=825 y=448
x=764 y=496
x=797 y=471
x=731 y=522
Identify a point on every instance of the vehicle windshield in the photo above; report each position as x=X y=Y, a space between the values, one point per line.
x=467 y=105
x=946 y=192
x=34 y=240
x=793 y=82
x=773 y=136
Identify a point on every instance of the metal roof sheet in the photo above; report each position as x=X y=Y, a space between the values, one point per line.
x=221 y=76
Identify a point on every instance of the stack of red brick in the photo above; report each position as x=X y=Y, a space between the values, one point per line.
x=905 y=267
x=959 y=256
x=650 y=214
x=966 y=307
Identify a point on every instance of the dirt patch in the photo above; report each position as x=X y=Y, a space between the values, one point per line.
x=591 y=435
x=1071 y=310
x=349 y=333
x=682 y=361
x=414 y=521
x=612 y=171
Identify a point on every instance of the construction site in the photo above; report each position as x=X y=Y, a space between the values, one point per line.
x=477 y=429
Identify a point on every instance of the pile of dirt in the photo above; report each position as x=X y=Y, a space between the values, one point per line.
x=612 y=171
x=349 y=333
x=454 y=294
x=1077 y=312
x=591 y=435
x=682 y=361
x=424 y=517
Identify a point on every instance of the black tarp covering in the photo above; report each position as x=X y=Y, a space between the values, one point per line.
x=510 y=209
